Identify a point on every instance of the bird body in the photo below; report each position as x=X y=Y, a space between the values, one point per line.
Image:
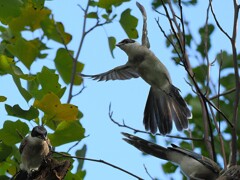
x=164 y=103
x=33 y=149
x=193 y=165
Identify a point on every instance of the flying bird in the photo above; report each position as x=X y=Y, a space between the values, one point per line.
x=193 y=165
x=33 y=149
x=164 y=103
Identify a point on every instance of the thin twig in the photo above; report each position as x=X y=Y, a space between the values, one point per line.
x=217 y=22
x=99 y=161
x=148 y=172
x=110 y=114
x=223 y=94
x=84 y=34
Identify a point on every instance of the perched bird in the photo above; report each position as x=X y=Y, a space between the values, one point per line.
x=33 y=149
x=164 y=103
x=232 y=173
x=193 y=165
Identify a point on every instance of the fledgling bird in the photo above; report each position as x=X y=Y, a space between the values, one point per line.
x=193 y=165
x=164 y=103
x=33 y=149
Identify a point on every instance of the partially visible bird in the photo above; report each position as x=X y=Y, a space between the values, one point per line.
x=232 y=173
x=193 y=165
x=33 y=149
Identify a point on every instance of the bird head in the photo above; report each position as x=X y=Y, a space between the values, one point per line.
x=39 y=132
x=129 y=46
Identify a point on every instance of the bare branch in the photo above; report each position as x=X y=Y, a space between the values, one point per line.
x=148 y=172
x=110 y=114
x=217 y=22
x=223 y=94
x=99 y=161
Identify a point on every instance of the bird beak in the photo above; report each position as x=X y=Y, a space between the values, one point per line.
x=43 y=137
x=118 y=44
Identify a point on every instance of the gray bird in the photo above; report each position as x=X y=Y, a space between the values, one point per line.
x=193 y=165
x=164 y=103
x=232 y=173
x=33 y=149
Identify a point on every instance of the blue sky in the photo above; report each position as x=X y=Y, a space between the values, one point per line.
x=127 y=97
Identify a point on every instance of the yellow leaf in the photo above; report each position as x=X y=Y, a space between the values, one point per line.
x=51 y=105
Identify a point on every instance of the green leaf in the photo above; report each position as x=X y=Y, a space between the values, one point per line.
x=17 y=111
x=200 y=72
x=5 y=151
x=11 y=132
x=30 y=17
x=66 y=132
x=92 y=15
x=55 y=31
x=26 y=95
x=106 y=4
x=129 y=24
x=9 y=9
x=228 y=81
x=26 y=51
x=112 y=43
x=3 y=98
x=81 y=153
x=226 y=59
x=53 y=110
x=49 y=83
x=169 y=168
x=205 y=38
x=78 y=175
x=64 y=64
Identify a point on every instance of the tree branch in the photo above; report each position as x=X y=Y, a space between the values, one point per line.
x=99 y=161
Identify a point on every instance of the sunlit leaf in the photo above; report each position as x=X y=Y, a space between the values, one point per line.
x=12 y=131
x=67 y=131
x=5 y=64
x=17 y=111
x=30 y=18
x=129 y=24
x=51 y=105
x=64 y=65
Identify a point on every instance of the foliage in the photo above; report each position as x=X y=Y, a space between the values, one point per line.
x=20 y=50
x=44 y=90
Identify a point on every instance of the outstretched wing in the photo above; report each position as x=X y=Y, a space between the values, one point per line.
x=118 y=73
x=145 y=41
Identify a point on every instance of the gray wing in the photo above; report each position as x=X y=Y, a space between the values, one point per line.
x=210 y=164
x=145 y=41
x=118 y=73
